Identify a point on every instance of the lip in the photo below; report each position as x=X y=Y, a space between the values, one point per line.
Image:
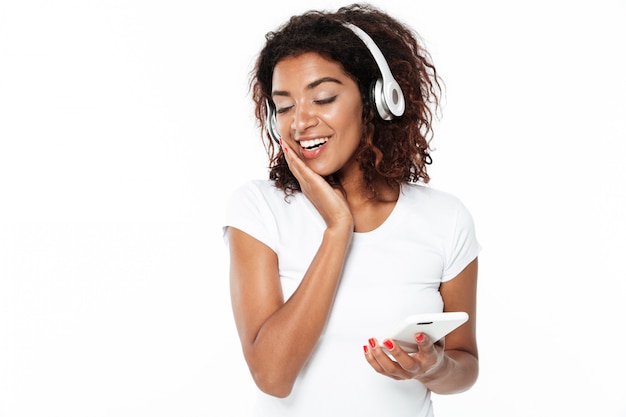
x=312 y=153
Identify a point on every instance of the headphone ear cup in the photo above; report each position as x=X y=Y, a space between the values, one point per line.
x=271 y=123
x=386 y=93
x=378 y=99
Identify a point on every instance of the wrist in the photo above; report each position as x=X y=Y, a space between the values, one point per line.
x=340 y=232
x=437 y=371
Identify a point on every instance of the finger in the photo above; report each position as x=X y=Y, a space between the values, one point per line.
x=291 y=158
x=382 y=363
x=429 y=355
x=424 y=344
x=402 y=357
x=369 y=356
x=303 y=173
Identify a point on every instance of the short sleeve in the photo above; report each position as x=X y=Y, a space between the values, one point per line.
x=248 y=210
x=464 y=246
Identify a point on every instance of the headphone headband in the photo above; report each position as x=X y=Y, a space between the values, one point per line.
x=392 y=98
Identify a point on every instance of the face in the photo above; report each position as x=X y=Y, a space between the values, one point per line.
x=318 y=110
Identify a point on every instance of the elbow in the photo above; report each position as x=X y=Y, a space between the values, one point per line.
x=273 y=375
x=273 y=384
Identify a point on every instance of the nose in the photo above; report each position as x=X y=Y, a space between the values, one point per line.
x=304 y=118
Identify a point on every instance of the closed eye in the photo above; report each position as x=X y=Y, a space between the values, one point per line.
x=283 y=109
x=321 y=102
x=326 y=100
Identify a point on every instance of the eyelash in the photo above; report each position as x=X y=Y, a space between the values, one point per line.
x=319 y=102
x=326 y=100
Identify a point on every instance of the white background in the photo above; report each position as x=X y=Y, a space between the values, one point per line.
x=124 y=124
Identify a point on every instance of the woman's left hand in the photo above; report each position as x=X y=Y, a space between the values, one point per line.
x=425 y=364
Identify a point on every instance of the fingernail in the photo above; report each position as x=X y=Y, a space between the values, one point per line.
x=365 y=349
x=372 y=342
x=388 y=344
x=419 y=337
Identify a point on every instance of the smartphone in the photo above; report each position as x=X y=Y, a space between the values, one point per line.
x=434 y=325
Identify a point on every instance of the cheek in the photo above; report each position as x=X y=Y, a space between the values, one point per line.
x=345 y=118
x=350 y=125
x=283 y=126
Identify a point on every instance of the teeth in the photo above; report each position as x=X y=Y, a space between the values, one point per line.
x=313 y=142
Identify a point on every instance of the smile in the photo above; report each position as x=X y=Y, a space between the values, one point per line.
x=313 y=143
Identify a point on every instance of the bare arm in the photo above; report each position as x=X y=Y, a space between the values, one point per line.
x=446 y=369
x=459 y=369
x=278 y=337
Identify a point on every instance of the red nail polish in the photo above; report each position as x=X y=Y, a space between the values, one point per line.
x=365 y=349
x=372 y=342
x=419 y=337
x=388 y=344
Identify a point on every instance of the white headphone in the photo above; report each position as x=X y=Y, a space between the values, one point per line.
x=386 y=92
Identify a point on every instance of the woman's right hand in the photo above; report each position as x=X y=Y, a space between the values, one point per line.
x=330 y=202
x=275 y=344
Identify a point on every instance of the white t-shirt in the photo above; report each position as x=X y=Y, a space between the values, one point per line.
x=389 y=273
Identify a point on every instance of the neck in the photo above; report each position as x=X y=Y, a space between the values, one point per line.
x=370 y=208
x=358 y=193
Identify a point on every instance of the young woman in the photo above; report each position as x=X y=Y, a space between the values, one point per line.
x=345 y=239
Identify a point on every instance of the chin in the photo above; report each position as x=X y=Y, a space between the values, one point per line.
x=323 y=172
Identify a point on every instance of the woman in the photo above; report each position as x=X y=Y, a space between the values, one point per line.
x=345 y=239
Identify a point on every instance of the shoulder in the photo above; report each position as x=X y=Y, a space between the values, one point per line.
x=427 y=196
x=437 y=206
x=251 y=208
x=257 y=190
x=263 y=197
x=255 y=186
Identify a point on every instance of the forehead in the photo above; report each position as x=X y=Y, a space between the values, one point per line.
x=304 y=69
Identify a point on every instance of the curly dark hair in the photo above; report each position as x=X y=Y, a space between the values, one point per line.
x=398 y=150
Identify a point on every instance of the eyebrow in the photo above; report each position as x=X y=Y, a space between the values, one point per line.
x=310 y=86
